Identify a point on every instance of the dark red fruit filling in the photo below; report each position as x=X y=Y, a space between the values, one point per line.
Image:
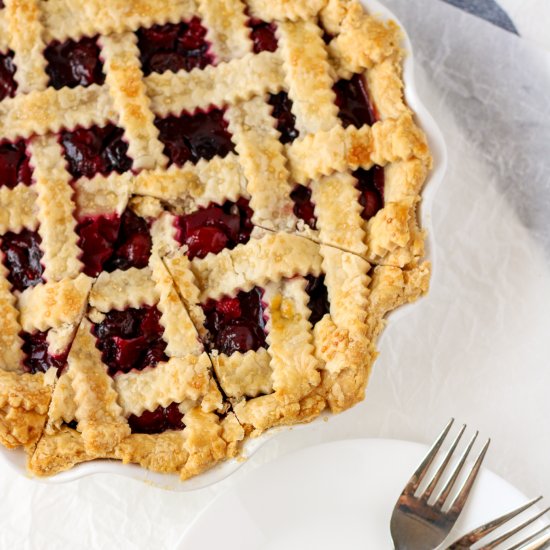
x=318 y=298
x=236 y=324
x=173 y=47
x=131 y=339
x=352 y=98
x=35 y=346
x=371 y=185
x=192 y=137
x=96 y=150
x=263 y=35
x=22 y=257
x=282 y=112
x=214 y=228
x=7 y=70
x=110 y=242
x=157 y=421
x=14 y=164
x=303 y=207
x=74 y=64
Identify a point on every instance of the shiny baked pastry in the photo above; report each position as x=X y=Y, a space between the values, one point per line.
x=207 y=209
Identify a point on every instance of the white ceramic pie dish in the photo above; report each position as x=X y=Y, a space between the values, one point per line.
x=16 y=460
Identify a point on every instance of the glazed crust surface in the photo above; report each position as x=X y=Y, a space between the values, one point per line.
x=369 y=267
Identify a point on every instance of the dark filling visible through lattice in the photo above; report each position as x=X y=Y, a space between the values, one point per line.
x=173 y=47
x=22 y=257
x=236 y=324
x=202 y=135
x=95 y=150
x=131 y=339
x=211 y=229
x=113 y=242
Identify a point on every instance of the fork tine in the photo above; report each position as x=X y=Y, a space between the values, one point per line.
x=499 y=540
x=453 y=477
x=437 y=476
x=460 y=499
x=420 y=472
x=483 y=530
x=538 y=544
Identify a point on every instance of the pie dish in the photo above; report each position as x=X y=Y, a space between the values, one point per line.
x=207 y=210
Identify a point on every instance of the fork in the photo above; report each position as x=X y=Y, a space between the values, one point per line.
x=534 y=541
x=417 y=524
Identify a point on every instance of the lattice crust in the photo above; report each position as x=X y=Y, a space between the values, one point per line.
x=304 y=369
x=101 y=404
x=370 y=267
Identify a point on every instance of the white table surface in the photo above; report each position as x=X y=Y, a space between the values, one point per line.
x=478 y=348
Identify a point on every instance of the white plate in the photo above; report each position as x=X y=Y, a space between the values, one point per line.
x=335 y=495
x=16 y=459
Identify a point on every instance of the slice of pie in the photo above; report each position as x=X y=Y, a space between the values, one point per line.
x=207 y=209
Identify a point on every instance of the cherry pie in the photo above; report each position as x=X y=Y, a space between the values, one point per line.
x=207 y=208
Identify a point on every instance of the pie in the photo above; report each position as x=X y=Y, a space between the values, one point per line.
x=207 y=209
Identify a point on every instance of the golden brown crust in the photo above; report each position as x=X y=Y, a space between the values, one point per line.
x=24 y=401
x=369 y=267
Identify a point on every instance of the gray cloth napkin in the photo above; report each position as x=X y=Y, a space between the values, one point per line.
x=488 y=10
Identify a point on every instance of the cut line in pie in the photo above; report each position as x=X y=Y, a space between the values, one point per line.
x=207 y=210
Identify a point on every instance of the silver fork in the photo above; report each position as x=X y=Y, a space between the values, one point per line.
x=417 y=524
x=535 y=541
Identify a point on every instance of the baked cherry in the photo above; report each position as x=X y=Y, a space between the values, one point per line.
x=262 y=35
x=110 y=242
x=95 y=150
x=282 y=112
x=353 y=101
x=318 y=298
x=236 y=324
x=303 y=206
x=73 y=63
x=371 y=186
x=189 y=137
x=215 y=227
x=173 y=47
x=38 y=359
x=131 y=339
x=157 y=421
x=14 y=164
x=8 y=85
x=22 y=257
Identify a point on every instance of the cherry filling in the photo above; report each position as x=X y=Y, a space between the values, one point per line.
x=37 y=359
x=73 y=64
x=14 y=165
x=192 y=137
x=214 y=228
x=110 y=242
x=236 y=324
x=262 y=35
x=131 y=339
x=173 y=47
x=94 y=150
x=303 y=206
x=282 y=112
x=22 y=257
x=157 y=421
x=7 y=72
x=352 y=98
x=318 y=298
x=371 y=186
